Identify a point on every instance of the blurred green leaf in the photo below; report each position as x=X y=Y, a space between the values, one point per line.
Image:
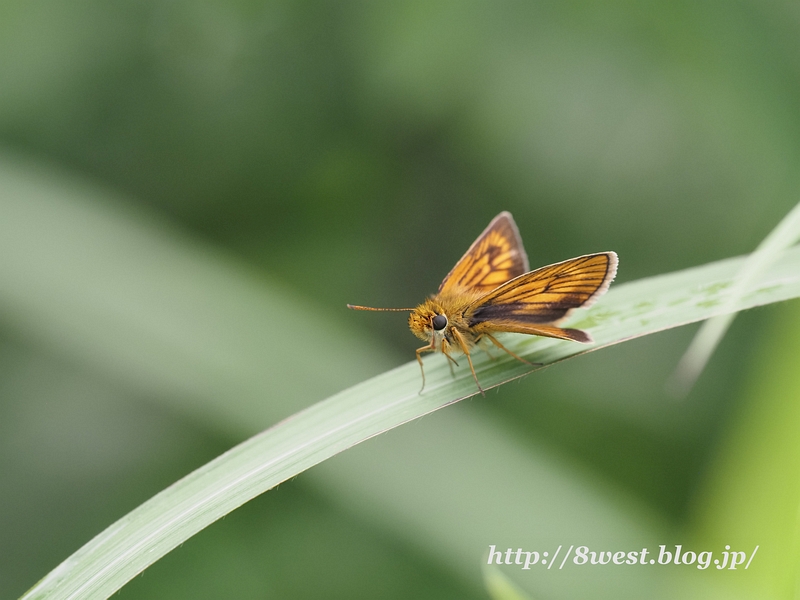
x=104 y=284
x=751 y=496
x=785 y=235
x=501 y=587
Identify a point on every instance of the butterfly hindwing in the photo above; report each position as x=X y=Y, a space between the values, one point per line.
x=494 y=258
x=545 y=296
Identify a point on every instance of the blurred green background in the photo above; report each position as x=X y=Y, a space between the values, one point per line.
x=256 y=166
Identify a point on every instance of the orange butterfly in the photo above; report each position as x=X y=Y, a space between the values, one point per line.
x=490 y=290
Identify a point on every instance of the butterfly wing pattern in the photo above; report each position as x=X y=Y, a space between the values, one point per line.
x=494 y=258
x=535 y=302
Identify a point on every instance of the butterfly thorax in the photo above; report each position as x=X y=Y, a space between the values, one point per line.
x=434 y=319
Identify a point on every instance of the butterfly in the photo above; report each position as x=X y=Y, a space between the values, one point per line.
x=492 y=290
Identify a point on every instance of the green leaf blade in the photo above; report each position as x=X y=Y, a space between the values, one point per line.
x=631 y=310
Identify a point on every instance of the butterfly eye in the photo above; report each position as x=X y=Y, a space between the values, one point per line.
x=439 y=322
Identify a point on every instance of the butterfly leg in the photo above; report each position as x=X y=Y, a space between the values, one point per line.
x=479 y=341
x=429 y=348
x=499 y=345
x=461 y=342
x=450 y=360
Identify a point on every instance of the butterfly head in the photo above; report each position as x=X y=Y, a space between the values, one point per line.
x=428 y=321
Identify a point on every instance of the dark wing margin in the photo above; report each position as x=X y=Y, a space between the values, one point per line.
x=494 y=258
x=546 y=296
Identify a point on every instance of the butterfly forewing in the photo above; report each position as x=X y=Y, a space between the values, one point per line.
x=494 y=258
x=547 y=295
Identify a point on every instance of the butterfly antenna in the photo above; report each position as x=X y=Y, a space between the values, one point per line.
x=355 y=307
